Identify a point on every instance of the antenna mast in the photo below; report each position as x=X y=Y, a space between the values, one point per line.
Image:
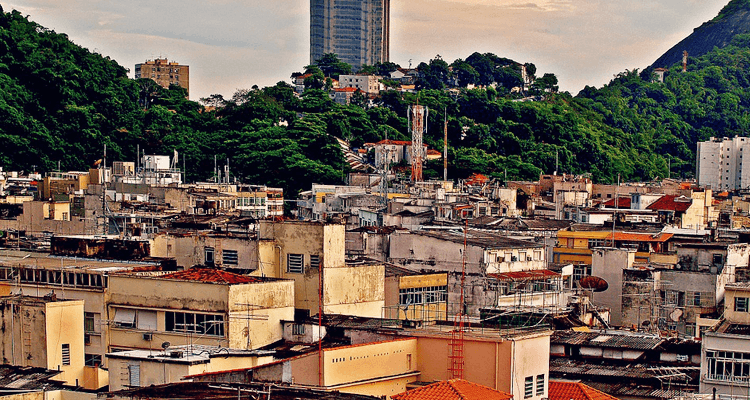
x=417 y=116
x=445 y=146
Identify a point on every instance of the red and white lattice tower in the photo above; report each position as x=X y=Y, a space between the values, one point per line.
x=417 y=118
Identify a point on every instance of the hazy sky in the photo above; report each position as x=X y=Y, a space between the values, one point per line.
x=232 y=44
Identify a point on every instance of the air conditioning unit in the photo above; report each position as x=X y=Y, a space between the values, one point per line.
x=148 y=336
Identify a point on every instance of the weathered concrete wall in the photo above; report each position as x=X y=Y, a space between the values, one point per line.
x=609 y=263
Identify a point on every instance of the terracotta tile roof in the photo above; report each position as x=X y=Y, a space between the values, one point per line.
x=453 y=389
x=640 y=237
x=671 y=202
x=397 y=142
x=346 y=89
x=211 y=275
x=575 y=391
x=622 y=202
x=533 y=275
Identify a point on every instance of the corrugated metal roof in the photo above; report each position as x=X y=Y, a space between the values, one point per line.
x=596 y=339
x=533 y=275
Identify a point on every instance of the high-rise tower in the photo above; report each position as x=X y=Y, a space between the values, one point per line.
x=356 y=30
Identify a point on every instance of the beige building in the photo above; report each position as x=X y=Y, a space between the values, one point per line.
x=292 y=250
x=70 y=279
x=203 y=306
x=143 y=368
x=515 y=363
x=164 y=73
x=48 y=333
x=485 y=252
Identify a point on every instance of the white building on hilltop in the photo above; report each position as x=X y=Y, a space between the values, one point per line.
x=720 y=163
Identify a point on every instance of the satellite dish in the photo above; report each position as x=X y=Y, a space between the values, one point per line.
x=165 y=345
x=594 y=283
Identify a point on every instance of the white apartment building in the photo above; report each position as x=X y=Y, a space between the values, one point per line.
x=369 y=84
x=720 y=163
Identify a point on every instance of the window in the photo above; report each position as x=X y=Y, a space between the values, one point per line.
x=134 y=375
x=209 y=255
x=423 y=295
x=695 y=300
x=741 y=304
x=146 y=320
x=208 y=324
x=65 y=354
x=298 y=329
x=89 y=322
x=728 y=366
x=528 y=387
x=718 y=259
x=93 y=360
x=229 y=257
x=294 y=263
x=124 y=318
x=540 y=385
x=314 y=261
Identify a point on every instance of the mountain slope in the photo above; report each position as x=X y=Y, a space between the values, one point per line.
x=732 y=20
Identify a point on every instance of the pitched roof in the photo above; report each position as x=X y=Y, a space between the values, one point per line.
x=575 y=391
x=453 y=389
x=622 y=202
x=211 y=275
x=671 y=202
x=532 y=275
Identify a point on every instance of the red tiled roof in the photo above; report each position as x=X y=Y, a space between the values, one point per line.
x=453 y=389
x=346 y=89
x=671 y=202
x=622 y=202
x=575 y=391
x=539 y=274
x=398 y=142
x=434 y=153
x=640 y=237
x=212 y=275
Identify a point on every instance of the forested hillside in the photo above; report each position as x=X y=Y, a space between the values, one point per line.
x=62 y=103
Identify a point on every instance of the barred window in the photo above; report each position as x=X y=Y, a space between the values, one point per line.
x=294 y=263
x=741 y=304
x=540 y=385
x=229 y=257
x=65 y=354
x=423 y=295
x=528 y=387
x=314 y=261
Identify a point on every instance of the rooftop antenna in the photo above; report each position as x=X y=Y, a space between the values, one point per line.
x=445 y=144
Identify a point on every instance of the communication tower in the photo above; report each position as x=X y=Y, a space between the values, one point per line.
x=417 y=116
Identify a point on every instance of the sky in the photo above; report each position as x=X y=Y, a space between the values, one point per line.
x=235 y=44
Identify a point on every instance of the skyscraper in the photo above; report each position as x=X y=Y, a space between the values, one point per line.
x=356 y=30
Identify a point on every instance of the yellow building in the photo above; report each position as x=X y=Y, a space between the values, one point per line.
x=415 y=296
x=198 y=306
x=575 y=247
x=48 y=333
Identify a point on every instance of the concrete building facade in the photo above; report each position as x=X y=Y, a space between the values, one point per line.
x=164 y=73
x=719 y=163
